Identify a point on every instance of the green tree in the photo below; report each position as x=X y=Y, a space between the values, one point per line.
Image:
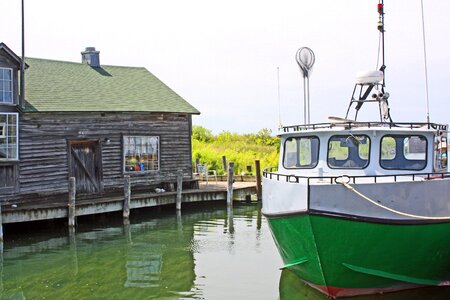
x=202 y=134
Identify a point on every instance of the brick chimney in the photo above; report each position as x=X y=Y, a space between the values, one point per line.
x=91 y=57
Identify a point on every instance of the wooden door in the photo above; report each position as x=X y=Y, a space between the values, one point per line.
x=85 y=166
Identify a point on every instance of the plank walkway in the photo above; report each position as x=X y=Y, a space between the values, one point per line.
x=56 y=206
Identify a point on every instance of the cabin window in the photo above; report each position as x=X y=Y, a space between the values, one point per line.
x=8 y=136
x=348 y=151
x=6 y=85
x=404 y=152
x=301 y=152
x=440 y=153
x=141 y=153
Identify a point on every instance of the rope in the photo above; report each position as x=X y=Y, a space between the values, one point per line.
x=382 y=206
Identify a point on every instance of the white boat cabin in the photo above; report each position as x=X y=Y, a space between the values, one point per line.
x=362 y=149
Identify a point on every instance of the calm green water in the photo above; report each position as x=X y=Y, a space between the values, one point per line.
x=212 y=254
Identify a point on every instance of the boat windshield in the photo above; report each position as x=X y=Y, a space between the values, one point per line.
x=348 y=151
x=301 y=152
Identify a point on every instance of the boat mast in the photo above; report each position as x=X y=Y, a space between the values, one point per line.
x=279 y=99
x=425 y=61
x=381 y=29
x=22 y=63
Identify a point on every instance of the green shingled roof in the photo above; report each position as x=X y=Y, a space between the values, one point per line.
x=66 y=86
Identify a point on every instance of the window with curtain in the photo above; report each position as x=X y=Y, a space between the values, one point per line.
x=141 y=153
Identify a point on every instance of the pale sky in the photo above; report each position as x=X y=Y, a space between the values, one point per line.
x=222 y=56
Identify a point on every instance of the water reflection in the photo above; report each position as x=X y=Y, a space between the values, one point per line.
x=219 y=253
x=187 y=255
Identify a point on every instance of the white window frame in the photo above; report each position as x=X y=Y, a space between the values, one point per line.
x=127 y=162
x=409 y=163
x=2 y=91
x=4 y=136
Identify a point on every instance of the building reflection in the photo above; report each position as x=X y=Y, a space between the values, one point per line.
x=149 y=256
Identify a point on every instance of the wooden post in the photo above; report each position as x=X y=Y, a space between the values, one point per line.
x=1 y=226
x=224 y=163
x=230 y=183
x=179 y=188
x=258 y=180
x=71 y=205
x=127 y=194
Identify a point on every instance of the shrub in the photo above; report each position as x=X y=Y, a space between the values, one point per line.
x=242 y=149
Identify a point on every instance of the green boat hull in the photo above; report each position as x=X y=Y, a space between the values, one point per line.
x=343 y=257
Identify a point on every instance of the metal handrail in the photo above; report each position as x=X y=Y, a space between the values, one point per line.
x=270 y=173
x=351 y=124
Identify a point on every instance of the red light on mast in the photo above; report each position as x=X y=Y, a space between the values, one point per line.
x=380 y=8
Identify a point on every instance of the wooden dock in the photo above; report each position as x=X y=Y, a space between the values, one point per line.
x=57 y=207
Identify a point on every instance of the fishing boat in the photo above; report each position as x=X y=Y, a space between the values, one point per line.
x=361 y=207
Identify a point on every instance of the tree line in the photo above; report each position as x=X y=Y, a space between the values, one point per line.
x=242 y=149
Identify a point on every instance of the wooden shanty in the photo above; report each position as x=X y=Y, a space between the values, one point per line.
x=96 y=123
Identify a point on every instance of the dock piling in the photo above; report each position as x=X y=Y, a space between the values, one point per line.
x=179 y=188
x=258 y=179
x=1 y=225
x=230 y=183
x=71 y=205
x=127 y=196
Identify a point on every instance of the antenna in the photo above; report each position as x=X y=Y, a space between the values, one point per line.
x=22 y=63
x=425 y=61
x=380 y=27
x=305 y=59
x=279 y=99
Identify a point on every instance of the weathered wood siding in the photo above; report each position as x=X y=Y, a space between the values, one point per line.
x=44 y=153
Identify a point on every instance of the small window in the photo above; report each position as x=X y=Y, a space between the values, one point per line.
x=8 y=136
x=348 y=151
x=301 y=152
x=2 y=130
x=6 y=85
x=388 y=149
x=8 y=178
x=404 y=152
x=440 y=154
x=141 y=153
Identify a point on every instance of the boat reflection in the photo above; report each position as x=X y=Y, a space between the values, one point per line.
x=292 y=288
